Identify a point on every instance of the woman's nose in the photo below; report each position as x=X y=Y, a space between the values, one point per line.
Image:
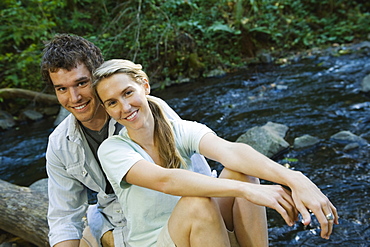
x=126 y=106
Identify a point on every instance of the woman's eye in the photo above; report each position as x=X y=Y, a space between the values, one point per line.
x=111 y=103
x=128 y=93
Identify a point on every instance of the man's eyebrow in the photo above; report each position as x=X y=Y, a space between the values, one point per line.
x=83 y=78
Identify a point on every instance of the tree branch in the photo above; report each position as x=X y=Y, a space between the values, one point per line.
x=9 y=93
x=23 y=213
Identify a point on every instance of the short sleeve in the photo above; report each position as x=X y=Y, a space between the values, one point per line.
x=188 y=135
x=117 y=157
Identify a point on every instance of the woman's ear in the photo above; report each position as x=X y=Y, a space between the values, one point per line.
x=146 y=86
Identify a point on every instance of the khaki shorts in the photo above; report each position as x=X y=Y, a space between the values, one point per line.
x=232 y=237
x=164 y=238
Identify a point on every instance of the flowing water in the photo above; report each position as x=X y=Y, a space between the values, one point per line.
x=319 y=96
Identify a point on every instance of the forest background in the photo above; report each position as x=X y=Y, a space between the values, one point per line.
x=174 y=39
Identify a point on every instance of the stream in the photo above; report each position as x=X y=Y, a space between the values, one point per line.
x=318 y=95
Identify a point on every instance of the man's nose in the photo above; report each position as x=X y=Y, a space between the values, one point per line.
x=75 y=95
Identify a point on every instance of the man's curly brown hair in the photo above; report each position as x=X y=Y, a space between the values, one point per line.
x=66 y=51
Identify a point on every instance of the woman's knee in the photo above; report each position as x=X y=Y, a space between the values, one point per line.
x=251 y=179
x=230 y=174
x=200 y=207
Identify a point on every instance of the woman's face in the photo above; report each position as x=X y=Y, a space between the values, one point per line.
x=125 y=100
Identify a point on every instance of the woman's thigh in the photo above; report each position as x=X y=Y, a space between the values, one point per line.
x=197 y=221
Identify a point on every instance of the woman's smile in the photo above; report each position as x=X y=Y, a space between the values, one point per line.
x=132 y=116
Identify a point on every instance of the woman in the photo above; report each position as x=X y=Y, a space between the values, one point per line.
x=149 y=168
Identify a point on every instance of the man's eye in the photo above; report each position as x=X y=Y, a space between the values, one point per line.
x=82 y=83
x=61 y=89
x=128 y=93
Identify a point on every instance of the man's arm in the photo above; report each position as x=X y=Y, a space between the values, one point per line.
x=67 y=201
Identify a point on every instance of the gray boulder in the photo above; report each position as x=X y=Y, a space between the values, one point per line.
x=347 y=137
x=366 y=84
x=6 y=120
x=351 y=140
x=305 y=141
x=267 y=139
x=350 y=147
x=31 y=115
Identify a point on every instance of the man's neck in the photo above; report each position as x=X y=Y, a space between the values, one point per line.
x=97 y=123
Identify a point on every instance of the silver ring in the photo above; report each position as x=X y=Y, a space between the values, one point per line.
x=330 y=216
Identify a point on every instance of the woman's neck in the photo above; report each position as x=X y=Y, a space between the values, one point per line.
x=146 y=141
x=143 y=136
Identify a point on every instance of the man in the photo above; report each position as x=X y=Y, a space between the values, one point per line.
x=72 y=164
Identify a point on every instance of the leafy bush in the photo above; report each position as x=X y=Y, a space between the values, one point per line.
x=23 y=29
x=173 y=39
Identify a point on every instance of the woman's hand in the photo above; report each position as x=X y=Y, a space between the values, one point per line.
x=275 y=197
x=307 y=197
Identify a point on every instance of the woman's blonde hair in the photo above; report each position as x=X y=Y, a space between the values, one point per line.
x=164 y=137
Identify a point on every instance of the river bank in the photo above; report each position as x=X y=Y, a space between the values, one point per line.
x=13 y=115
x=320 y=97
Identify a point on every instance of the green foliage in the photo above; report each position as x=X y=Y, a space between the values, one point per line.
x=302 y=24
x=22 y=31
x=173 y=39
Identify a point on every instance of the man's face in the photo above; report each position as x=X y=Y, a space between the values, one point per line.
x=74 y=92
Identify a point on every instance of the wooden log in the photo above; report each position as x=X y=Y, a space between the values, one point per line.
x=12 y=93
x=23 y=213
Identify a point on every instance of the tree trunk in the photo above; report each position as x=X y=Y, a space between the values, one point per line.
x=23 y=213
x=8 y=93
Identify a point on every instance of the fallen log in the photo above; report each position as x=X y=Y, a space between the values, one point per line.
x=23 y=213
x=12 y=93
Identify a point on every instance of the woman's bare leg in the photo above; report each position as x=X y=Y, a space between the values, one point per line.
x=248 y=220
x=88 y=239
x=197 y=221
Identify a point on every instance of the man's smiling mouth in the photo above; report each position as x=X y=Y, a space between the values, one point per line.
x=80 y=107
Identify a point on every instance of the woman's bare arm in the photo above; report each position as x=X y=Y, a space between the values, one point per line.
x=243 y=158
